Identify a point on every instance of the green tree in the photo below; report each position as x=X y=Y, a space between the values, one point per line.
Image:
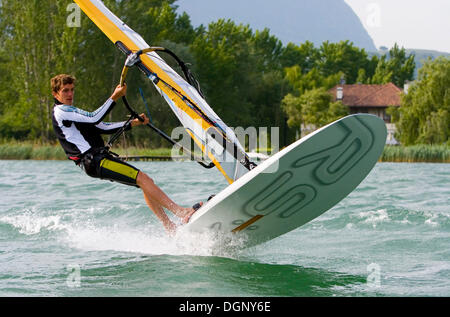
x=292 y=106
x=337 y=110
x=222 y=52
x=240 y=72
x=301 y=82
x=425 y=113
x=342 y=57
x=314 y=107
x=383 y=73
x=402 y=66
x=33 y=39
x=362 y=77
x=330 y=59
x=305 y=56
x=396 y=67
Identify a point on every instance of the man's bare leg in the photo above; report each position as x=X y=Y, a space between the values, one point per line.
x=159 y=212
x=159 y=199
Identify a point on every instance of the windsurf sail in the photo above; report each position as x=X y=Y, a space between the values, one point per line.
x=217 y=141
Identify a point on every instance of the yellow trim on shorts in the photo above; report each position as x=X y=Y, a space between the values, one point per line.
x=122 y=169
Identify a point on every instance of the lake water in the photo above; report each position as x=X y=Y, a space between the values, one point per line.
x=65 y=234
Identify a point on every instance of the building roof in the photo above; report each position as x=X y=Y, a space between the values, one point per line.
x=360 y=95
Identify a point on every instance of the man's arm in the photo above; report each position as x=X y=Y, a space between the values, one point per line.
x=71 y=113
x=110 y=128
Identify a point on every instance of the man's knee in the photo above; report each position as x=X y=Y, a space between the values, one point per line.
x=143 y=179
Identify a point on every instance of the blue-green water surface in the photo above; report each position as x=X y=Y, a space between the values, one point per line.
x=63 y=233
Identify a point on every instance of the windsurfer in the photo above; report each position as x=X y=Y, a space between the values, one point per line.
x=79 y=133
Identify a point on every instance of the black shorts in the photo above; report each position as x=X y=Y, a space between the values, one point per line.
x=103 y=165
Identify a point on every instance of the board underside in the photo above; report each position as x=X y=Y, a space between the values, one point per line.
x=297 y=184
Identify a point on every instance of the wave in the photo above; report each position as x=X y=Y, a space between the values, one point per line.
x=357 y=217
x=168 y=275
x=402 y=217
x=31 y=224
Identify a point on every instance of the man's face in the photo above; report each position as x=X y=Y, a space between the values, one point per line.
x=65 y=94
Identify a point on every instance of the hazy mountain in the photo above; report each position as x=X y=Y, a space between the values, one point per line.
x=289 y=20
x=422 y=55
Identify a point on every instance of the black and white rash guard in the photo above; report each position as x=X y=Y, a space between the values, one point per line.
x=78 y=130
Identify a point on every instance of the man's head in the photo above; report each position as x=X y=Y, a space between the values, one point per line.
x=63 y=88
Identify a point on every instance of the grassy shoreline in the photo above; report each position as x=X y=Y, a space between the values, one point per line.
x=29 y=151
x=416 y=153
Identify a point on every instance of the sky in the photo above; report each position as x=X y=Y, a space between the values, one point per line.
x=415 y=24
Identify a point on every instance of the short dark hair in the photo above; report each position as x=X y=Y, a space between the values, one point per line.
x=60 y=80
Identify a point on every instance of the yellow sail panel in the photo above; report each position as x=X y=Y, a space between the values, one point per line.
x=178 y=101
x=103 y=22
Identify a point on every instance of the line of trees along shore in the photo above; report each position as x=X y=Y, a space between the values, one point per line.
x=249 y=77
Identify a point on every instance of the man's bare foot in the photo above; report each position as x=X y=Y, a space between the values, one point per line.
x=182 y=212
x=189 y=214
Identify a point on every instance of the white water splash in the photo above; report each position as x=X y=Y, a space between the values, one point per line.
x=85 y=230
x=152 y=240
x=374 y=217
x=30 y=224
